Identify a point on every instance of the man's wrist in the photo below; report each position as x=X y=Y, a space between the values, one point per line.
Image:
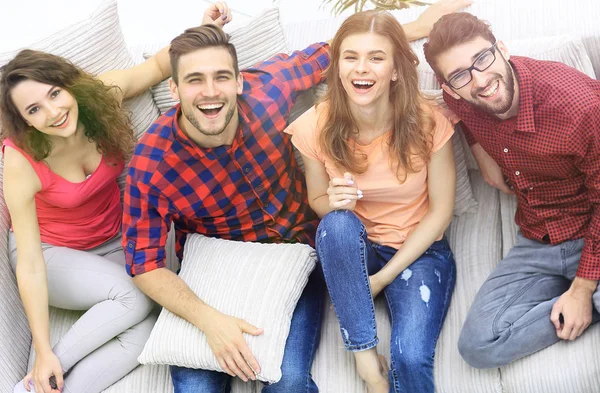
x=584 y=285
x=203 y=316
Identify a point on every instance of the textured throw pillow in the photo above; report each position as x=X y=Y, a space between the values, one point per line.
x=260 y=283
x=257 y=40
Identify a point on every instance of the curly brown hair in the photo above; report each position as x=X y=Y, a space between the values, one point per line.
x=412 y=125
x=104 y=120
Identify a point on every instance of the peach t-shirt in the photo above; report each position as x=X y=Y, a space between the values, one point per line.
x=389 y=209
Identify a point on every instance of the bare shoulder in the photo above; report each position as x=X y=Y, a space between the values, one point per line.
x=20 y=179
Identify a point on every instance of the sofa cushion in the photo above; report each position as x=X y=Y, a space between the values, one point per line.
x=259 y=283
x=258 y=39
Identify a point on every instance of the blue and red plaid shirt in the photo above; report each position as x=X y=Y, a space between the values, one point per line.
x=252 y=190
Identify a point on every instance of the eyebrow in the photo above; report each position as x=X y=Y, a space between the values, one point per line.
x=473 y=58
x=202 y=74
x=373 y=52
x=35 y=103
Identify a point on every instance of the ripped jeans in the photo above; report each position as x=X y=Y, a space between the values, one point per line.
x=417 y=300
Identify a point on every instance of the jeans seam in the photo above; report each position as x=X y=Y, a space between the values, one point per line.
x=447 y=300
x=508 y=304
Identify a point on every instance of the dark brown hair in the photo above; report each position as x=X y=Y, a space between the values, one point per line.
x=412 y=126
x=205 y=36
x=451 y=30
x=100 y=112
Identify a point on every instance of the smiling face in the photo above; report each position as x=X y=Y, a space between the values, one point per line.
x=366 y=68
x=50 y=109
x=208 y=89
x=492 y=90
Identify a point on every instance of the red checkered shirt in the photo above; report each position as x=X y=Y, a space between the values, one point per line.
x=550 y=154
x=252 y=190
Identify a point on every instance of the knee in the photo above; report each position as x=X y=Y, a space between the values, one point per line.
x=476 y=350
x=296 y=382
x=336 y=226
x=407 y=361
x=132 y=298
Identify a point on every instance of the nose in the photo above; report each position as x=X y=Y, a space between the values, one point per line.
x=478 y=78
x=361 y=66
x=53 y=111
x=210 y=89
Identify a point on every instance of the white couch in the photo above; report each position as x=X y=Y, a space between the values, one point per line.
x=480 y=236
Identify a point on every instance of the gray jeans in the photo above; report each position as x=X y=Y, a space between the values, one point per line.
x=510 y=317
x=103 y=345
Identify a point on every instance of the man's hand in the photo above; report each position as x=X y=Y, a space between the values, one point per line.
x=575 y=305
x=377 y=285
x=490 y=170
x=343 y=192
x=225 y=338
x=218 y=14
x=435 y=11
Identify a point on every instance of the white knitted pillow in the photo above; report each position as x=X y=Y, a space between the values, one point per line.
x=259 y=39
x=260 y=283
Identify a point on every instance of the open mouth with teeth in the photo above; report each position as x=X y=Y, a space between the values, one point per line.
x=211 y=110
x=491 y=90
x=363 y=84
x=62 y=121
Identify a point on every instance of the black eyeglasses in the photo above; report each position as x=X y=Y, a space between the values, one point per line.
x=482 y=63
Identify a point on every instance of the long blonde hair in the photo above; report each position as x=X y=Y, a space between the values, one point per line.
x=412 y=126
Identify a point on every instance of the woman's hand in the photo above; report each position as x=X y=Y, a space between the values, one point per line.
x=46 y=365
x=218 y=14
x=343 y=192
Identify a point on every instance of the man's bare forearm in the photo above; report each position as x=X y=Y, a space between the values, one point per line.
x=170 y=291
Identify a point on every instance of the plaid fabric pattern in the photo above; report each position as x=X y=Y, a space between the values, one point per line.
x=550 y=154
x=252 y=190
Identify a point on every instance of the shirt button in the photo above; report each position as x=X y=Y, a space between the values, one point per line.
x=505 y=150
x=531 y=188
x=246 y=169
x=517 y=173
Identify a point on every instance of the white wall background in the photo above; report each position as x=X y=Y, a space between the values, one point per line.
x=25 y=21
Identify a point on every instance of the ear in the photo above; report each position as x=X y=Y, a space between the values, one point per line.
x=394 y=76
x=451 y=92
x=173 y=89
x=503 y=49
x=240 y=83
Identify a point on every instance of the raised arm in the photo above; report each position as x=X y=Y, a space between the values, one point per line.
x=21 y=183
x=135 y=80
x=421 y=27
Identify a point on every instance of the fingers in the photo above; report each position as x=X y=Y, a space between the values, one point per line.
x=224 y=16
x=342 y=191
x=233 y=366
x=247 y=328
x=59 y=379
x=250 y=359
x=224 y=366
x=555 y=317
x=247 y=372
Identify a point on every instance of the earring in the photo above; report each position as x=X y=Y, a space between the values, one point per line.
x=394 y=78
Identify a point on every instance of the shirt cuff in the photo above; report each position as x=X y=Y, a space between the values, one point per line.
x=589 y=264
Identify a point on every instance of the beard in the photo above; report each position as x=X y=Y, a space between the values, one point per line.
x=506 y=83
x=216 y=131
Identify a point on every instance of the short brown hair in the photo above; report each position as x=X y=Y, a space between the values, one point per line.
x=452 y=30
x=205 y=36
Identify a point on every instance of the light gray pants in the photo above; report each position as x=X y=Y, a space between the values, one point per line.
x=510 y=317
x=103 y=345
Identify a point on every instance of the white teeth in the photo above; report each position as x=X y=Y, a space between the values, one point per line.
x=363 y=83
x=492 y=90
x=60 y=122
x=210 y=106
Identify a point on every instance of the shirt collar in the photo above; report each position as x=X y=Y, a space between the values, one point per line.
x=525 y=117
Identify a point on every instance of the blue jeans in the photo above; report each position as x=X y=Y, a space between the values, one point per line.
x=300 y=348
x=510 y=316
x=417 y=299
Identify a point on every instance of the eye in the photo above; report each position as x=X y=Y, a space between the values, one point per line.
x=55 y=93
x=483 y=59
x=376 y=58
x=223 y=78
x=33 y=110
x=350 y=58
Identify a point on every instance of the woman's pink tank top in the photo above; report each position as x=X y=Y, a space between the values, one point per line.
x=77 y=215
